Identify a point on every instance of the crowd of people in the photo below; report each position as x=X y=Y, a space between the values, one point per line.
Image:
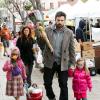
x=57 y=45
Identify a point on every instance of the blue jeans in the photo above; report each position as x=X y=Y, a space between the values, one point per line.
x=29 y=72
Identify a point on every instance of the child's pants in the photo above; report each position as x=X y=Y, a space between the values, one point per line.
x=82 y=99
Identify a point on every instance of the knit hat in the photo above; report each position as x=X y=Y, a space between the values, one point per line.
x=15 y=50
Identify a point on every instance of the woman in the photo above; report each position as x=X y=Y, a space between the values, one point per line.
x=25 y=44
x=42 y=37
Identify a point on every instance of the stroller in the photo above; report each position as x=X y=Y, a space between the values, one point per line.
x=33 y=92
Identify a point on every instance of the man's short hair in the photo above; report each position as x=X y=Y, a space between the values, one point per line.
x=59 y=14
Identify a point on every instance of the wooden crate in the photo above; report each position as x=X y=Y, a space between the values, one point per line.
x=77 y=47
x=88 y=54
x=97 y=62
x=87 y=46
x=97 y=51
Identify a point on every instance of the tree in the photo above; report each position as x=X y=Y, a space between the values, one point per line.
x=36 y=4
x=14 y=6
x=37 y=13
x=84 y=1
x=1 y=3
x=28 y=6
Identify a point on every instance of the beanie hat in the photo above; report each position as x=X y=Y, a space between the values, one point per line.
x=15 y=50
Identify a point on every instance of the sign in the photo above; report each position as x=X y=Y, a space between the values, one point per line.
x=96 y=34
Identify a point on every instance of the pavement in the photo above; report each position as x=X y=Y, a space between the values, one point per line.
x=37 y=77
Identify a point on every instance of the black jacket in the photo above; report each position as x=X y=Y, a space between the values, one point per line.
x=25 y=47
x=79 y=31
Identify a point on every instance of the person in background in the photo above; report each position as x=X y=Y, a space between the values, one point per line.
x=5 y=37
x=15 y=75
x=80 y=36
x=31 y=26
x=42 y=37
x=25 y=44
x=0 y=33
x=62 y=41
x=97 y=25
x=17 y=35
x=41 y=40
x=81 y=80
x=50 y=23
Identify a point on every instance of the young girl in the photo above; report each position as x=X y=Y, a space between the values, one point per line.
x=81 y=80
x=15 y=75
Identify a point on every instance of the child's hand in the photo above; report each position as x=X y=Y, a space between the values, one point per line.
x=52 y=50
x=37 y=49
x=72 y=67
x=24 y=80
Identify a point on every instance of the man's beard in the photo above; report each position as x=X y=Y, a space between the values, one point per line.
x=59 y=26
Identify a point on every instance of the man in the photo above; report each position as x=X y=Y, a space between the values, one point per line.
x=62 y=40
x=97 y=25
x=80 y=36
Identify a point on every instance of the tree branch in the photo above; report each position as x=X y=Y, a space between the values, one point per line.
x=38 y=4
x=33 y=3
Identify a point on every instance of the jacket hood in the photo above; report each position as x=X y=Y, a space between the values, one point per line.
x=82 y=24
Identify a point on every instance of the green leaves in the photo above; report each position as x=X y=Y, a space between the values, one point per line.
x=84 y=1
x=27 y=6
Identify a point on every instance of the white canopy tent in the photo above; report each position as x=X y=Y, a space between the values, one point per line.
x=89 y=9
x=65 y=8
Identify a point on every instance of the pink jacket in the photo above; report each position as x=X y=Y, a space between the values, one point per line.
x=81 y=81
x=8 y=68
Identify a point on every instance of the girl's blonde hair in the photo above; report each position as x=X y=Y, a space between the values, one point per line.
x=85 y=67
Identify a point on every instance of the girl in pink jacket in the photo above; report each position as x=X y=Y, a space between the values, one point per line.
x=81 y=80
x=15 y=75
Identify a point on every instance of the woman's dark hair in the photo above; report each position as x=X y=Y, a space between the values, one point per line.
x=59 y=14
x=22 y=33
